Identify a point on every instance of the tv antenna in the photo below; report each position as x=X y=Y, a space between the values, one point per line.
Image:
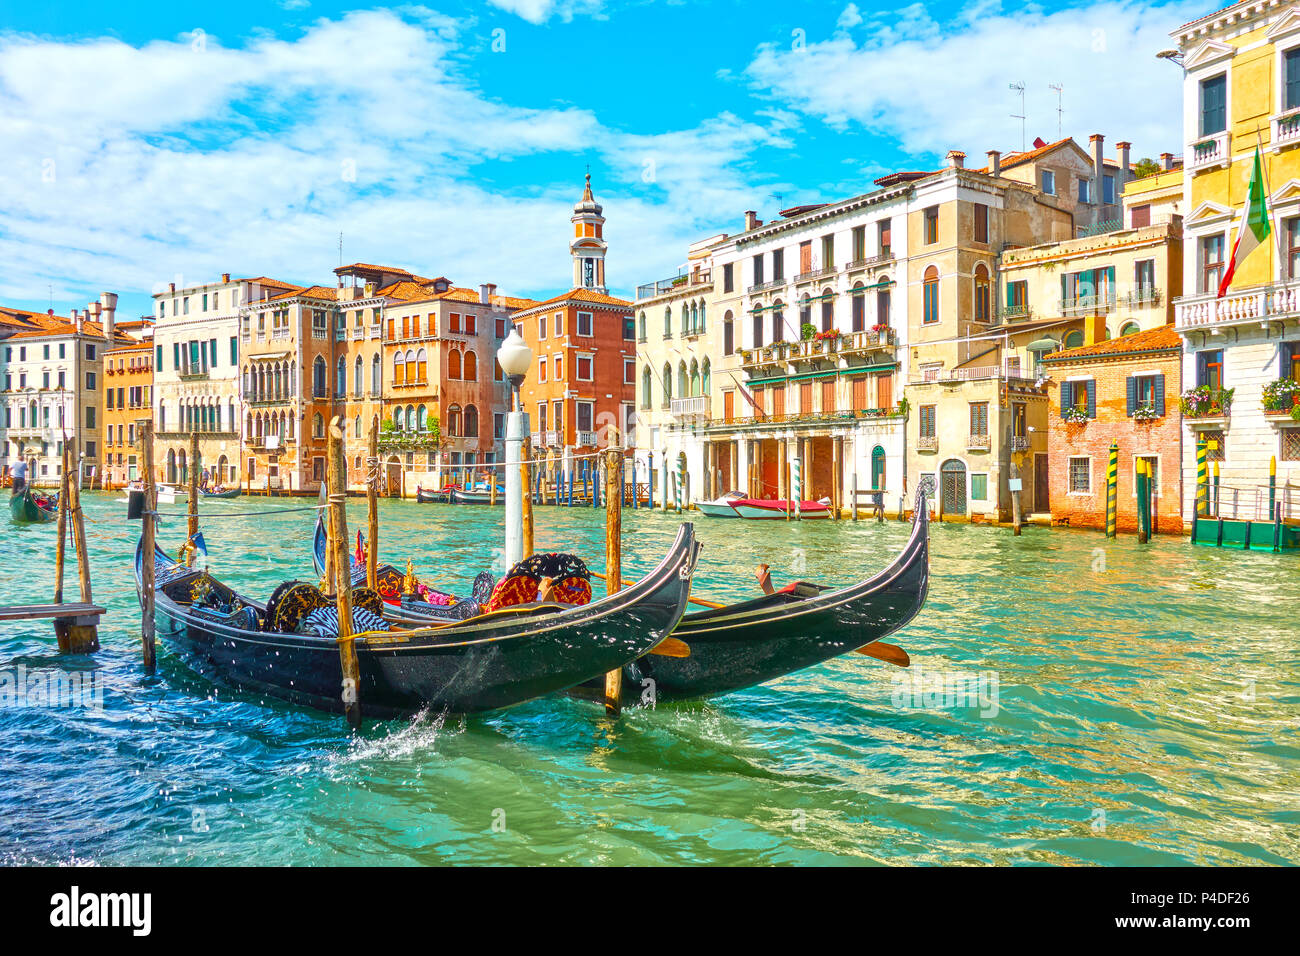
x=1020 y=88
x=340 y=250
x=1060 y=107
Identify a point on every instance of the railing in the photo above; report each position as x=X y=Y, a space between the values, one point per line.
x=1211 y=151
x=586 y=439
x=673 y=283
x=1020 y=443
x=321 y=335
x=971 y=375
x=696 y=406
x=279 y=334
x=374 y=330
x=1286 y=129
x=878 y=259
x=230 y=432
x=1146 y=295
x=340 y=335
x=870 y=339
x=927 y=443
x=1102 y=227
x=1015 y=313
x=1088 y=303
x=199 y=376
x=1278 y=301
x=358 y=334
x=767 y=286
x=815 y=274
x=978 y=442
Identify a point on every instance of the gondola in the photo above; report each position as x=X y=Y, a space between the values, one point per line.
x=227 y=494
x=755 y=641
x=25 y=509
x=441 y=496
x=476 y=496
x=489 y=661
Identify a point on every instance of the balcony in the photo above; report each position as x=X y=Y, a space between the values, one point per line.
x=1144 y=297
x=814 y=275
x=978 y=442
x=1088 y=304
x=1264 y=303
x=954 y=376
x=586 y=439
x=927 y=443
x=340 y=335
x=197 y=376
x=696 y=406
x=766 y=286
x=1020 y=443
x=763 y=357
x=320 y=335
x=1210 y=153
x=857 y=343
x=1011 y=314
x=693 y=280
x=546 y=439
x=358 y=334
x=1286 y=130
x=278 y=334
x=217 y=433
x=374 y=330
x=871 y=262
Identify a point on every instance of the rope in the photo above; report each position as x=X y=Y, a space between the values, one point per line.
x=235 y=514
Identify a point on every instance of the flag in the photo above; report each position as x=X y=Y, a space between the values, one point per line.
x=758 y=412
x=1254 y=228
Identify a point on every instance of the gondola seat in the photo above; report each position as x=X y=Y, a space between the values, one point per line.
x=571 y=581
x=290 y=603
x=324 y=622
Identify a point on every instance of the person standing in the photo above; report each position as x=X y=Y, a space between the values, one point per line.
x=19 y=474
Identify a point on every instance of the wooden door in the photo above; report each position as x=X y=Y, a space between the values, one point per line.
x=828 y=395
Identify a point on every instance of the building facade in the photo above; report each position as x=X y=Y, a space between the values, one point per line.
x=50 y=386
x=127 y=397
x=1241 y=93
x=1122 y=392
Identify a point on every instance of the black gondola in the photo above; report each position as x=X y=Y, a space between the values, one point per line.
x=487 y=662
x=26 y=508
x=759 y=640
x=440 y=497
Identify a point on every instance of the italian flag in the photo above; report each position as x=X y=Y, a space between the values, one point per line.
x=1254 y=228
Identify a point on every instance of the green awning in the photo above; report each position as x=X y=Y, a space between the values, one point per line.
x=1043 y=345
x=856 y=370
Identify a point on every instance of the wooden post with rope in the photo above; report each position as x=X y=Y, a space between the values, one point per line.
x=525 y=452
x=613 y=558
x=372 y=507
x=338 y=496
x=63 y=527
x=192 y=509
x=73 y=637
x=148 y=533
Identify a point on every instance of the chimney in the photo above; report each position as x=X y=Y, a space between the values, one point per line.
x=956 y=159
x=1166 y=161
x=173 y=286
x=995 y=162
x=485 y=292
x=225 y=278
x=1125 y=167
x=76 y=320
x=109 y=301
x=1096 y=143
x=751 y=220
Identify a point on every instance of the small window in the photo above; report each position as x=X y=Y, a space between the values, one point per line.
x=1214 y=105
x=981 y=222
x=1048 y=180
x=979 y=487
x=927 y=421
x=1080 y=475
x=584 y=368
x=584 y=324
x=931 y=225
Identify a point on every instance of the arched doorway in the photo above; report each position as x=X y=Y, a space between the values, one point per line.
x=393 y=476
x=223 y=471
x=181 y=470
x=952 y=487
x=878 y=468
x=171 y=466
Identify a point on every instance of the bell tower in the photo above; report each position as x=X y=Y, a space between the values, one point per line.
x=588 y=244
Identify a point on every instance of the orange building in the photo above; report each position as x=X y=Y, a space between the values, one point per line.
x=127 y=398
x=584 y=351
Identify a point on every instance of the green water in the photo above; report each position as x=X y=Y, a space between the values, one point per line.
x=1145 y=713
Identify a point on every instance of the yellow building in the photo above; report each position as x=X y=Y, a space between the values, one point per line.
x=1241 y=93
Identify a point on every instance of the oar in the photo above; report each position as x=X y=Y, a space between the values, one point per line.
x=889 y=653
x=671 y=647
x=700 y=601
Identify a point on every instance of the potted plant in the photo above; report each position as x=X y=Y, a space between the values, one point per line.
x=1145 y=413
x=1206 y=402
x=1281 y=395
x=1075 y=416
x=807 y=331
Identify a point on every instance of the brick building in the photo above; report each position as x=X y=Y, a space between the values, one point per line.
x=1125 y=391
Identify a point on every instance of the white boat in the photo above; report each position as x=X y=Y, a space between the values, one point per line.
x=720 y=507
x=167 y=494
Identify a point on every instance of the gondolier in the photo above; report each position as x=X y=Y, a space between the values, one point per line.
x=19 y=474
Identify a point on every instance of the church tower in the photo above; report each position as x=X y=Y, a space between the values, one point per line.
x=588 y=244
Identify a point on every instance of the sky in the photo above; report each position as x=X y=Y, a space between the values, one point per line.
x=146 y=143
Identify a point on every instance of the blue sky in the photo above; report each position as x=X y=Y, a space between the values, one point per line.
x=148 y=144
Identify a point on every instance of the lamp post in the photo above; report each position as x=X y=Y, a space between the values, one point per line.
x=515 y=358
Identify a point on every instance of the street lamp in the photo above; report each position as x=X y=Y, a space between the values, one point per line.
x=515 y=357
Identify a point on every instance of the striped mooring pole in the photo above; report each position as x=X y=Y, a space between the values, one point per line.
x=1202 y=479
x=796 y=485
x=681 y=485
x=1112 y=491
x=1272 y=485
x=1215 y=506
x=1143 y=502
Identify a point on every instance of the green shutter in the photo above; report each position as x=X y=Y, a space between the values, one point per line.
x=158 y=359
x=1067 y=397
x=1092 y=398
x=1160 y=394
x=1130 y=389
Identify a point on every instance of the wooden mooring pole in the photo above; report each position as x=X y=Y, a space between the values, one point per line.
x=613 y=563
x=148 y=533
x=192 y=506
x=372 y=507
x=75 y=635
x=342 y=569
x=525 y=452
x=62 y=529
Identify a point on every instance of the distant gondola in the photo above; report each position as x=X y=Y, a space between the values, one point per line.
x=227 y=493
x=442 y=496
x=759 y=640
x=479 y=495
x=486 y=662
x=25 y=509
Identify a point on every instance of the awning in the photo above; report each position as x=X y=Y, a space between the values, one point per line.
x=1043 y=345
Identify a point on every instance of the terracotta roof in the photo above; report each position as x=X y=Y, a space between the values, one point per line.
x=310 y=292
x=264 y=280
x=894 y=179
x=582 y=295
x=1016 y=159
x=1208 y=16
x=1162 y=339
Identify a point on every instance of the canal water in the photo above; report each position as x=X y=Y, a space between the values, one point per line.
x=1071 y=701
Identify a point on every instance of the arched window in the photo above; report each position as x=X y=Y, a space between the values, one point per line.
x=410 y=418
x=930 y=295
x=317 y=426
x=453 y=364
x=758 y=326
x=1073 y=339
x=703 y=321
x=1130 y=328
x=376 y=376
x=859 y=307
x=356 y=430
x=453 y=420
x=422 y=419
x=778 y=321
x=646 y=379
x=668 y=384
x=705 y=384
x=471 y=421
x=728 y=334
x=982 y=297
x=828 y=310
x=695 y=377
x=318 y=383
x=641 y=326
x=399 y=368
x=358 y=379
x=470 y=371
x=341 y=379
x=681 y=380
x=805 y=312
x=668 y=322
x=412 y=369
x=421 y=366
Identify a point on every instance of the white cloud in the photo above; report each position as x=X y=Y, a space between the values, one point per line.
x=124 y=166
x=936 y=86
x=539 y=11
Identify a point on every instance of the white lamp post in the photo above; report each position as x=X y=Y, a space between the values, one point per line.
x=515 y=358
